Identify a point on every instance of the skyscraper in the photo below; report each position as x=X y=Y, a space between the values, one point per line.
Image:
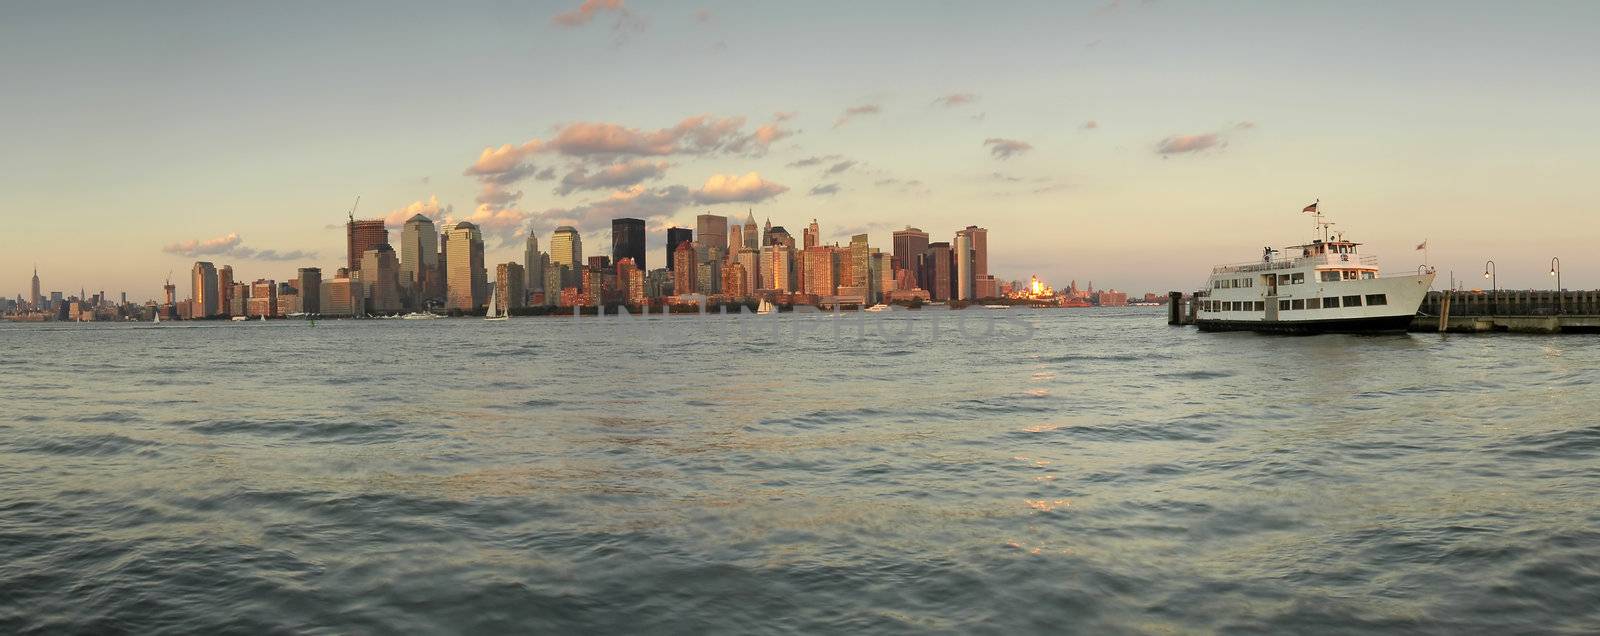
x=204 y=277
x=735 y=239
x=752 y=238
x=676 y=236
x=980 y=250
x=937 y=270
x=766 y=232
x=510 y=291
x=812 y=236
x=419 y=260
x=37 y=299
x=311 y=290
x=782 y=267
x=380 y=273
x=749 y=260
x=685 y=279
x=909 y=246
x=821 y=275
x=467 y=278
x=627 y=241
x=711 y=230
x=566 y=250
x=965 y=280
x=630 y=281
x=362 y=235
x=224 y=287
x=533 y=263
x=264 y=298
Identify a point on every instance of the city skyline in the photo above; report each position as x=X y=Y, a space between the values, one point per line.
x=1101 y=140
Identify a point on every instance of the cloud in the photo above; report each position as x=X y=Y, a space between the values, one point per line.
x=1177 y=144
x=429 y=208
x=1244 y=125
x=586 y=12
x=825 y=189
x=1090 y=125
x=840 y=167
x=547 y=174
x=651 y=204
x=507 y=158
x=220 y=245
x=750 y=188
x=617 y=175
x=813 y=161
x=1001 y=176
x=1006 y=148
x=854 y=111
x=955 y=99
x=697 y=135
x=703 y=15
x=232 y=245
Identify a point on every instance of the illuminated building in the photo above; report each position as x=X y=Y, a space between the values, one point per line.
x=362 y=235
x=263 y=298
x=224 y=285
x=685 y=273
x=204 y=278
x=467 y=277
x=676 y=236
x=510 y=286
x=419 y=261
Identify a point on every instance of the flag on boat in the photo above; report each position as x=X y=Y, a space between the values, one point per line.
x=1312 y=209
x=1423 y=245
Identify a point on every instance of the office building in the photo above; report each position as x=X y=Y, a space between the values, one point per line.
x=532 y=264
x=380 y=275
x=204 y=278
x=909 y=246
x=938 y=265
x=685 y=272
x=263 y=299
x=224 y=286
x=510 y=287
x=812 y=236
x=966 y=281
x=566 y=250
x=310 y=284
x=419 y=261
x=821 y=274
x=711 y=231
x=675 y=237
x=627 y=241
x=362 y=235
x=467 y=280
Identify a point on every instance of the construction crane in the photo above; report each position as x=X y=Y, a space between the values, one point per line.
x=353 y=209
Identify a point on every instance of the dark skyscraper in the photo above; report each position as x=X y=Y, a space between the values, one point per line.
x=909 y=246
x=627 y=241
x=675 y=236
x=311 y=290
x=938 y=271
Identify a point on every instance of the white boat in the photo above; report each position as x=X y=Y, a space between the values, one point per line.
x=997 y=306
x=420 y=315
x=1325 y=286
x=494 y=308
x=239 y=318
x=157 y=319
x=263 y=317
x=765 y=307
x=878 y=307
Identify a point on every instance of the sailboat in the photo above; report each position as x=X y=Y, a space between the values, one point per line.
x=765 y=307
x=157 y=319
x=494 y=307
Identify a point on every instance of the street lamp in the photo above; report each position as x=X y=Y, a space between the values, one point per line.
x=1555 y=270
x=1493 y=274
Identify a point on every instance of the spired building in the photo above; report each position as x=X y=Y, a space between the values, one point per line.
x=467 y=279
x=205 y=290
x=362 y=235
x=380 y=274
x=419 y=261
x=627 y=241
x=533 y=265
x=36 y=300
x=752 y=240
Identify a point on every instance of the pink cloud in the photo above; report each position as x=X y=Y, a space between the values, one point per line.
x=586 y=12
x=750 y=188
x=1006 y=148
x=429 y=208
x=856 y=111
x=955 y=99
x=1188 y=143
x=617 y=175
x=219 y=245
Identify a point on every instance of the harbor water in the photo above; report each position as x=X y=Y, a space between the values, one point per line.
x=1073 y=471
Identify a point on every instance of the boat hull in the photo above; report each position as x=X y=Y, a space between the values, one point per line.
x=1369 y=324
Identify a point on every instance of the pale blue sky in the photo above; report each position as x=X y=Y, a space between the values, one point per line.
x=134 y=126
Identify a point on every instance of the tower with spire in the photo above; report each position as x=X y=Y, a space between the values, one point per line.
x=751 y=239
x=37 y=299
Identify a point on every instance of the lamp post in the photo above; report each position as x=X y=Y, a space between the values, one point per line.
x=1493 y=274
x=1555 y=270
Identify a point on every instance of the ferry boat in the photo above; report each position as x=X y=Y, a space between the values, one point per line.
x=1325 y=286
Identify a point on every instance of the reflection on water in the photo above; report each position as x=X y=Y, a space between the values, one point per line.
x=1109 y=474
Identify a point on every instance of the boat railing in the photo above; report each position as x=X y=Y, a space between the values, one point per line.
x=1257 y=266
x=1344 y=260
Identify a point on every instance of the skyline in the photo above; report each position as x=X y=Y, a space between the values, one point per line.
x=1208 y=133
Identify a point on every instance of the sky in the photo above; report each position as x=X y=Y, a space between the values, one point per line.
x=1130 y=143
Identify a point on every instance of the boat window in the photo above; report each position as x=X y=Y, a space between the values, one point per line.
x=1248 y=282
x=1313 y=303
x=1283 y=305
x=1260 y=306
x=1331 y=302
x=1352 y=301
x=1297 y=278
x=1297 y=304
x=1238 y=306
x=1330 y=276
x=1283 y=279
x=1367 y=275
x=1377 y=299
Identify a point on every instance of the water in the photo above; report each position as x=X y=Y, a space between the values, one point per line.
x=1109 y=475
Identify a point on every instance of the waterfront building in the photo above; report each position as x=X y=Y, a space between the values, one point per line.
x=735 y=279
x=310 y=284
x=711 y=230
x=533 y=264
x=781 y=266
x=224 y=286
x=594 y=281
x=380 y=275
x=204 y=278
x=467 y=278
x=342 y=296
x=630 y=281
x=883 y=286
x=553 y=275
x=685 y=270
x=675 y=237
x=821 y=274
x=658 y=283
x=263 y=298
x=510 y=287
x=965 y=274
x=566 y=249
x=860 y=267
x=419 y=261
x=238 y=299
x=750 y=261
x=708 y=279
x=627 y=241
x=289 y=301
x=938 y=270
x=909 y=246
x=980 y=250
x=362 y=235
